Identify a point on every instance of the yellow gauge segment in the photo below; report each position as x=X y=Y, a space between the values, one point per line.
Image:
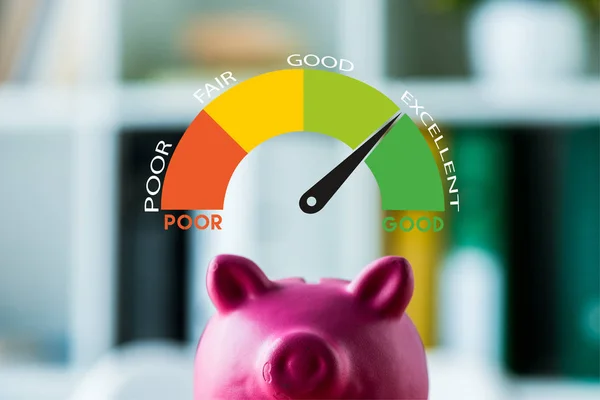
x=263 y=107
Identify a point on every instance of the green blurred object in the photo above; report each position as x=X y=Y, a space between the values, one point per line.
x=473 y=276
x=481 y=162
x=579 y=273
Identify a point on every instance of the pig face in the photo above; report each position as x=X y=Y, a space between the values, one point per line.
x=288 y=339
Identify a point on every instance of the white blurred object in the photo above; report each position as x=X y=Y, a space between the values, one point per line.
x=471 y=306
x=526 y=40
x=142 y=371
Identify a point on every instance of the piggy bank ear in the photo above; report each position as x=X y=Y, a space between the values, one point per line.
x=386 y=285
x=233 y=280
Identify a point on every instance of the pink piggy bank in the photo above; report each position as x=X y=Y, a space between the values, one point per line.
x=288 y=339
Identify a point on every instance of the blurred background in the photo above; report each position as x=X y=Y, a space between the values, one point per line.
x=97 y=301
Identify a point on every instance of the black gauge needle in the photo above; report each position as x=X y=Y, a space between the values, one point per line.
x=319 y=195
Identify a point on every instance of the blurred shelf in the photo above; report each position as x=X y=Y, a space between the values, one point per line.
x=503 y=103
x=48 y=109
x=551 y=390
x=166 y=104
x=173 y=104
x=453 y=377
x=34 y=107
x=148 y=105
x=450 y=381
x=449 y=102
x=37 y=382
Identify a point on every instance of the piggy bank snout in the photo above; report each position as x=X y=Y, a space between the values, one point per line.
x=302 y=365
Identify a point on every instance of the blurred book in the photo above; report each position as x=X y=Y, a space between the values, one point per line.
x=472 y=278
x=39 y=41
x=67 y=39
x=35 y=33
x=577 y=312
x=19 y=22
x=153 y=269
x=532 y=286
x=423 y=250
x=555 y=307
x=554 y=326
